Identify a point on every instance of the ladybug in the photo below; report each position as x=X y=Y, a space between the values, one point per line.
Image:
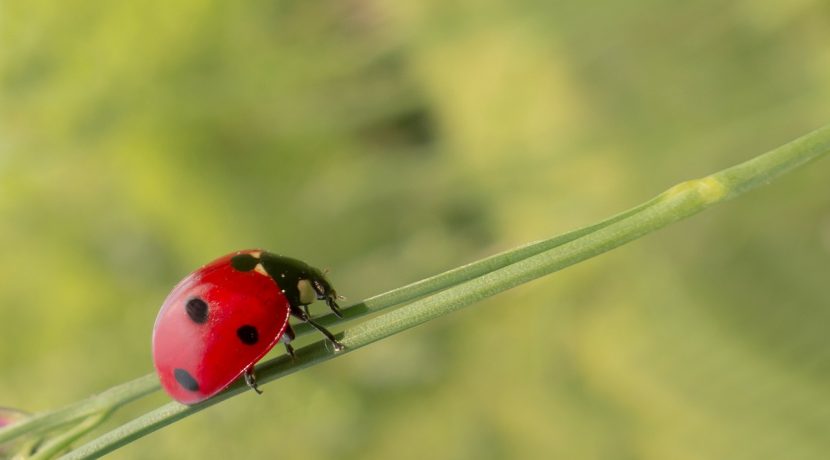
x=224 y=317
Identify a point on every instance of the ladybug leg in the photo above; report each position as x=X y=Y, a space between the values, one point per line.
x=334 y=307
x=303 y=316
x=286 y=339
x=250 y=379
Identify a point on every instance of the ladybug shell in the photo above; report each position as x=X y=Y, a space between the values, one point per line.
x=216 y=323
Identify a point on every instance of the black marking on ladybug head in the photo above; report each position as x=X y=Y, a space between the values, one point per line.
x=244 y=262
x=197 y=310
x=248 y=334
x=185 y=379
x=319 y=288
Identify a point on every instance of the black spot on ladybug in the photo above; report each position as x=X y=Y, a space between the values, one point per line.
x=244 y=262
x=197 y=310
x=185 y=379
x=248 y=334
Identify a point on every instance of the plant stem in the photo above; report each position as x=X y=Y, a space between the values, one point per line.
x=147 y=384
x=458 y=288
x=458 y=275
x=110 y=399
x=61 y=442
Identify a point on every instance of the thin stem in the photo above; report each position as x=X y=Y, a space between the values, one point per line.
x=678 y=202
x=764 y=168
x=112 y=398
x=65 y=439
x=458 y=275
x=147 y=384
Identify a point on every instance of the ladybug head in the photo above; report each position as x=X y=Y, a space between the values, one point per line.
x=324 y=290
x=306 y=283
x=321 y=288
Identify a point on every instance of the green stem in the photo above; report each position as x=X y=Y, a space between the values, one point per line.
x=463 y=273
x=64 y=440
x=143 y=386
x=459 y=288
x=765 y=168
x=110 y=399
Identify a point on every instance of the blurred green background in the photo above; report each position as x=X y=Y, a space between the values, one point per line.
x=393 y=140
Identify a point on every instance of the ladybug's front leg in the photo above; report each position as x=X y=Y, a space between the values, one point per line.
x=250 y=379
x=332 y=303
x=298 y=312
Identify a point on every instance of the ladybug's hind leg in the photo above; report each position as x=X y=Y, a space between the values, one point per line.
x=300 y=313
x=286 y=339
x=250 y=379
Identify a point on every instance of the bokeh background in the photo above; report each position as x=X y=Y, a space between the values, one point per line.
x=390 y=141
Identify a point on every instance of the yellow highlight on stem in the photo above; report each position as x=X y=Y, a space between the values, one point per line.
x=708 y=189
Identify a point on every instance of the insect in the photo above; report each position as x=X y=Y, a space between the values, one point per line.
x=224 y=317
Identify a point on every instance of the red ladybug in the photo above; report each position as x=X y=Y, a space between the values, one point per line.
x=224 y=317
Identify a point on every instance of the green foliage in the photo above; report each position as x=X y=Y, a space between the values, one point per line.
x=389 y=142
